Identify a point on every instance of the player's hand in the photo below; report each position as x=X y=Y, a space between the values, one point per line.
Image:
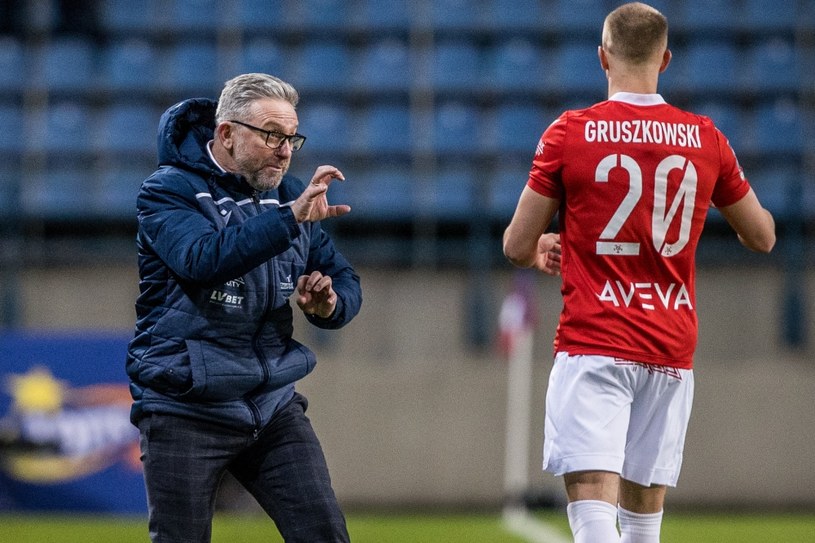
x=548 y=257
x=315 y=295
x=313 y=205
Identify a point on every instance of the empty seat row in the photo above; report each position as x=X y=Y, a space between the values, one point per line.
x=565 y=15
x=774 y=64
x=452 y=126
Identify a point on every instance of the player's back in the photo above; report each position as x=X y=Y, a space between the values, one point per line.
x=637 y=178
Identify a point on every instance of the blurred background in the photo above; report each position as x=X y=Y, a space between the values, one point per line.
x=432 y=109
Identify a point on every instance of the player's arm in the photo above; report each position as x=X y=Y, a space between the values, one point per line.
x=752 y=222
x=532 y=216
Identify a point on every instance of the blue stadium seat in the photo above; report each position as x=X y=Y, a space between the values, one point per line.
x=771 y=14
x=118 y=186
x=130 y=65
x=63 y=191
x=519 y=126
x=12 y=64
x=321 y=65
x=579 y=16
x=385 y=127
x=66 y=64
x=10 y=185
x=707 y=15
x=382 y=192
x=128 y=16
x=519 y=64
x=456 y=65
x=519 y=14
x=384 y=65
x=505 y=189
x=728 y=119
x=316 y=14
x=198 y=15
x=383 y=14
x=456 y=127
x=453 y=14
x=774 y=65
x=779 y=127
x=711 y=66
x=68 y=127
x=772 y=185
x=12 y=128
x=263 y=55
x=255 y=15
x=326 y=125
x=578 y=69
x=193 y=68
x=452 y=193
x=129 y=127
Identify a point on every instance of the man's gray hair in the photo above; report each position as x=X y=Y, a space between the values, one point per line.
x=240 y=92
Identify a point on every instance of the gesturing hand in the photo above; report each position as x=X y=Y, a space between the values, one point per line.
x=548 y=258
x=313 y=205
x=315 y=295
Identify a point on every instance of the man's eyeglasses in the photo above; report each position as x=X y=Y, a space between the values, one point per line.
x=275 y=139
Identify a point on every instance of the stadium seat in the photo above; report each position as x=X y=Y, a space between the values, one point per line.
x=579 y=16
x=62 y=191
x=456 y=128
x=12 y=129
x=128 y=127
x=255 y=15
x=453 y=14
x=774 y=66
x=519 y=15
x=706 y=16
x=384 y=65
x=195 y=15
x=519 y=64
x=67 y=128
x=66 y=64
x=505 y=189
x=263 y=55
x=10 y=185
x=772 y=186
x=779 y=127
x=518 y=127
x=327 y=126
x=456 y=65
x=13 y=73
x=711 y=66
x=578 y=69
x=385 y=127
x=322 y=65
x=382 y=192
x=451 y=193
x=192 y=67
x=728 y=119
x=119 y=182
x=128 y=16
x=129 y=65
x=383 y=15
x=317 y=14
x=771 y=14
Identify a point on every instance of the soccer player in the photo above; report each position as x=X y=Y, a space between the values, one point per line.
x=631 y=179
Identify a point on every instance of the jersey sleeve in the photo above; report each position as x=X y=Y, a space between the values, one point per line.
x=732 y=185
x=544 y=177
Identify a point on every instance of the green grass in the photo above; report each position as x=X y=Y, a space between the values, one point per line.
x=463 y=528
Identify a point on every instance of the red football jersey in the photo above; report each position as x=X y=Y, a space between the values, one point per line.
x=635 y=177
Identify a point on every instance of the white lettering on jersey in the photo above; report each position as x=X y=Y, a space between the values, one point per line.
x=671 y=297
x=643 y=131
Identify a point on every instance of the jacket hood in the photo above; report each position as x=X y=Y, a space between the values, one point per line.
x=184 y=130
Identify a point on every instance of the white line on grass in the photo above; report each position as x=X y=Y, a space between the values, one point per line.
x=518 y=521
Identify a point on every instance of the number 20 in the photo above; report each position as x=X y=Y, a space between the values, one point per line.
x=608 y=244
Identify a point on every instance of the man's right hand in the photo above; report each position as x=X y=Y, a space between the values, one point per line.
x=313 y=205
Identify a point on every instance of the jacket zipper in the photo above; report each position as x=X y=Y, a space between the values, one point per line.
x=258 y=352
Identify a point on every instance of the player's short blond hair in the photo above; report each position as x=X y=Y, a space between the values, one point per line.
x=239 y=93
x=635 y=32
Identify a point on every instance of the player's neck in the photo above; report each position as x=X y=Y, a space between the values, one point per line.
x=638 y=85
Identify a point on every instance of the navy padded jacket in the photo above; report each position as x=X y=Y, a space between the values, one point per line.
x=218 y=262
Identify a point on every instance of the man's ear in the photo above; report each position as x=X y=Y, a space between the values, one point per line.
x=666 y=59
x=601 y=54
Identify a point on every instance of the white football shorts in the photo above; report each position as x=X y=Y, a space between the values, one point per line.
x=609 y=414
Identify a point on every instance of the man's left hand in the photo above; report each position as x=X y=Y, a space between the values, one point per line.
x=315 y=295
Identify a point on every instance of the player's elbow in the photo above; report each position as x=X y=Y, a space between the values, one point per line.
x=517 y=257
x=762 y=244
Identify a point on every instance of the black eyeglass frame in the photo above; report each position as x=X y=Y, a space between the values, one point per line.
x=296 y=141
